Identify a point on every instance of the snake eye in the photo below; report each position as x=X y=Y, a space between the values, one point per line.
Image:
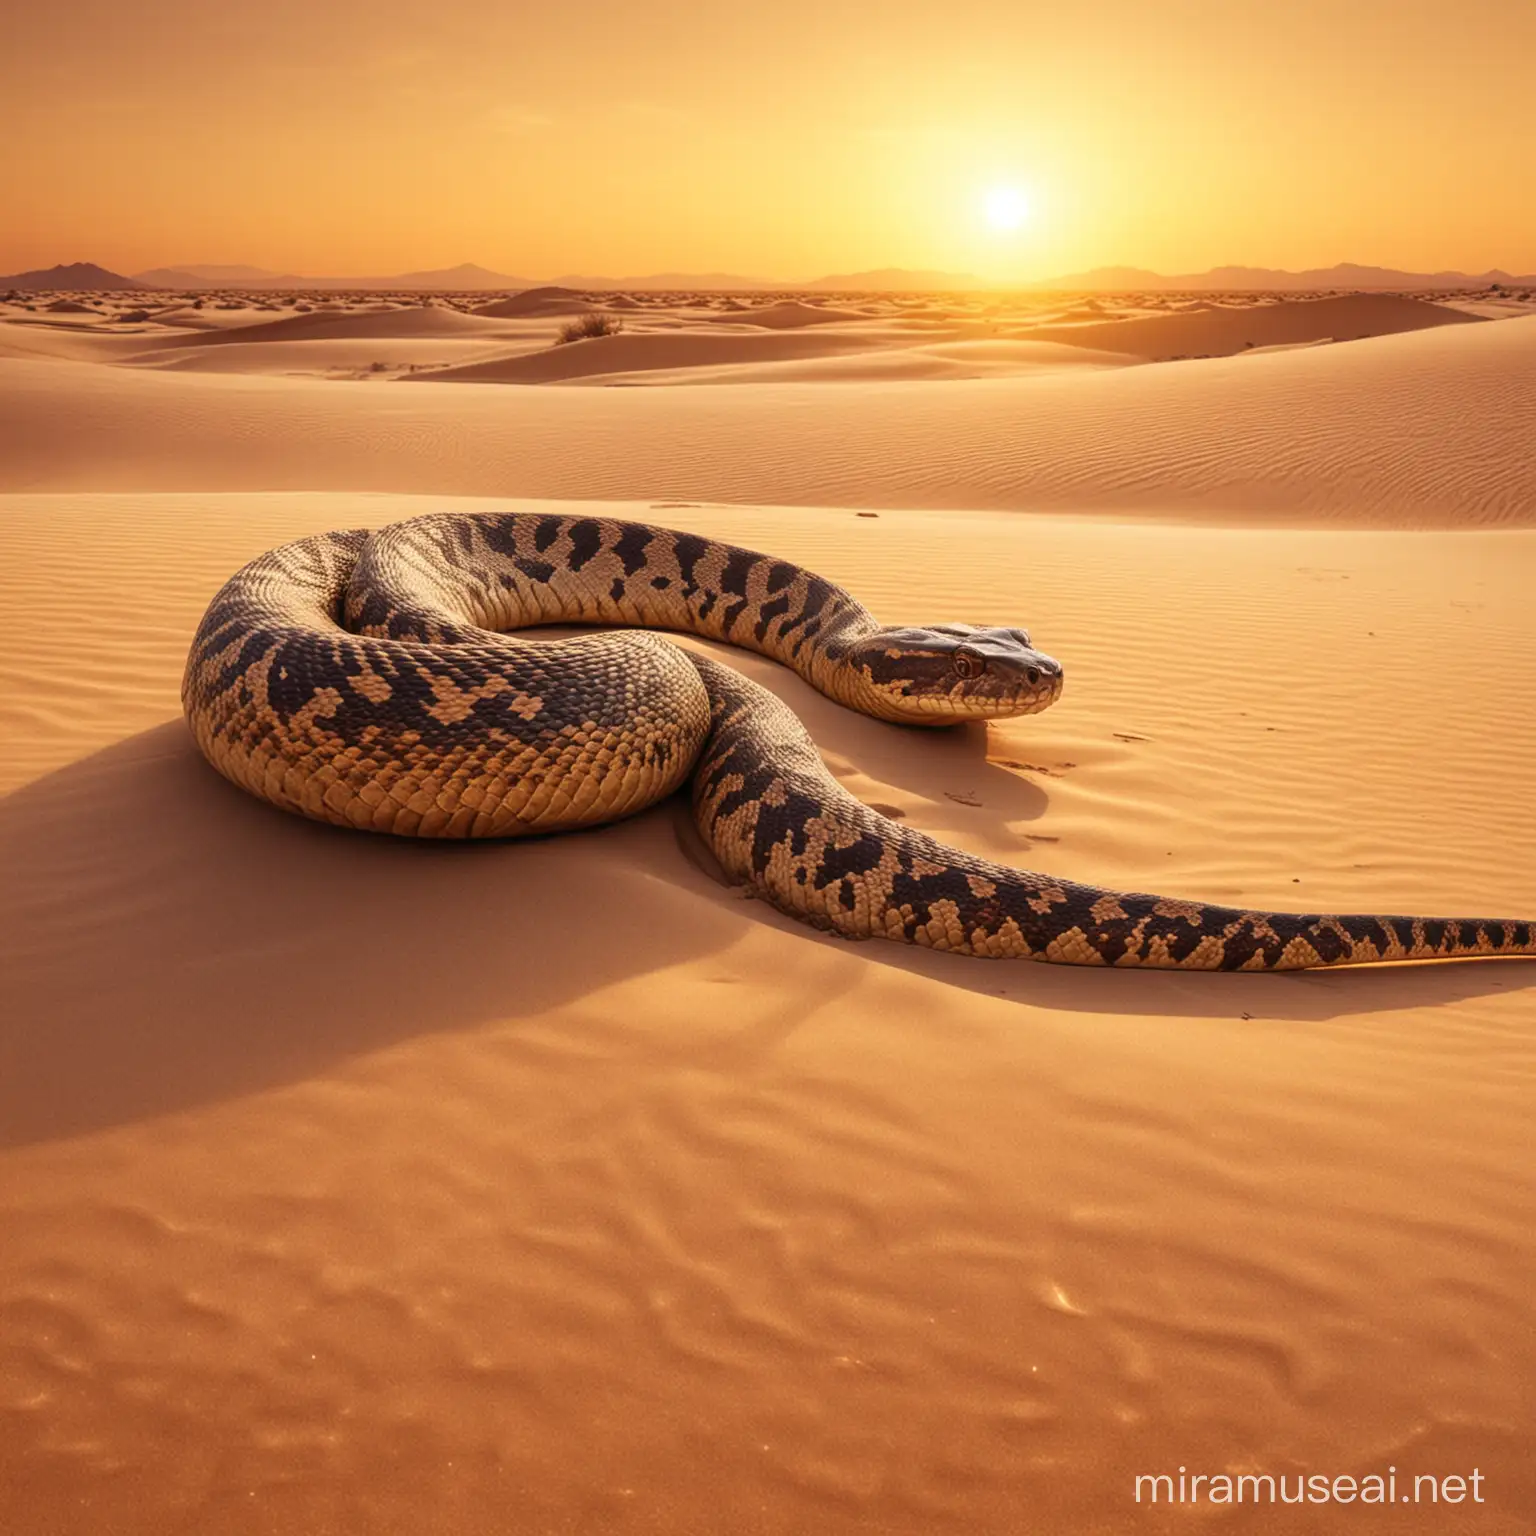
x=967 y=664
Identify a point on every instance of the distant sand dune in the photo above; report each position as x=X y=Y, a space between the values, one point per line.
x=1219 y=332
x=891 y=362
x=69 y=343
x=639 y=351
x=419 y=320
x=1428 y=428
x=392 y=355
x=791 y=314
x=534 y=302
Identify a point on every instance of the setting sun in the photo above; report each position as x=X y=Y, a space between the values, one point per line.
x=1005 y=207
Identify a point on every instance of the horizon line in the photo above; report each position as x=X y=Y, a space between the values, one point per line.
x=249 y=275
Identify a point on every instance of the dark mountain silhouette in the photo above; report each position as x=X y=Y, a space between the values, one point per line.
x=76 y=276
x=466 y=278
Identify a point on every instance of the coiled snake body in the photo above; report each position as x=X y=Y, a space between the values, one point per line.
x=364 y=679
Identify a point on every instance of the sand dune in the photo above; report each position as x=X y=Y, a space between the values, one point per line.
x=1216 y=331
x=193 y=317
x=354 y=1183
x=891 y=362
x=776 y=344
x=534 y=302
x=642 y=351
x=790 y=314
x=421 y=320
x=73 y=343
x=387 y=356
x=1420 y=429
x=321 y=348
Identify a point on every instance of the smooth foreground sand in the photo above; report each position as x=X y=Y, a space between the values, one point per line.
x=350 y=1185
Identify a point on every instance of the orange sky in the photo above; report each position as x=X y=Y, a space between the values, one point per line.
x=785 y=139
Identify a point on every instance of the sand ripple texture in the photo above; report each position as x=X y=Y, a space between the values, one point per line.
x=1427 y=428
x=349 y=1185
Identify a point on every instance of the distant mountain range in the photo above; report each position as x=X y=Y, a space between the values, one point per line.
x=669 y=282
x=469 y=278
x=209 y=276
x=1273 y=279
x=466 y=278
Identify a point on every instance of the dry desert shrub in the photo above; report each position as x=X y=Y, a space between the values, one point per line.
x=591 y=324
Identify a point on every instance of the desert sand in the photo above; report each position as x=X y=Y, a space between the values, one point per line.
x=361 y=1186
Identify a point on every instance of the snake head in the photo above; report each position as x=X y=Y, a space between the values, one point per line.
x=945 y=673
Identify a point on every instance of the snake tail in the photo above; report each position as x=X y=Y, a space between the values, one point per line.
x=785 y=830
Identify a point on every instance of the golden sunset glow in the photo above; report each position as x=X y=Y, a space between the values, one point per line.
x=1044 y=491
x=780 y=142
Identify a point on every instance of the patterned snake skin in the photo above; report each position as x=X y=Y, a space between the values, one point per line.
x=359 y=678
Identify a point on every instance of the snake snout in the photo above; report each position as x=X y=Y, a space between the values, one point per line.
x=1039 y=670
x=1039 y=680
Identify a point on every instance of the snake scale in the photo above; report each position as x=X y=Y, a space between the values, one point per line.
x=367 y=679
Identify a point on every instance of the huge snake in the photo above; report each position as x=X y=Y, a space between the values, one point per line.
x=367 y=679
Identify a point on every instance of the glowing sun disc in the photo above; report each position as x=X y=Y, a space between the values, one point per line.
x=1005 y=208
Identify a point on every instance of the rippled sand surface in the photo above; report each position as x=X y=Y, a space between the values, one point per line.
x=1426 y=428
x=350 y=1185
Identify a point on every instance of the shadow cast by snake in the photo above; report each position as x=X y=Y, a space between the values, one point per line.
x=168 y=942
